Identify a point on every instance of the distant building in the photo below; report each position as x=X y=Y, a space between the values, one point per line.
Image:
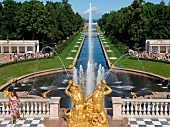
x=19 y=46
x=157 y=45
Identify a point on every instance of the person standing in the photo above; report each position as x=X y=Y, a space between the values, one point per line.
x=14 y=107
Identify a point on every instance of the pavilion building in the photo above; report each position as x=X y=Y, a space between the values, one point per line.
x=159 y=46
x=19 y=46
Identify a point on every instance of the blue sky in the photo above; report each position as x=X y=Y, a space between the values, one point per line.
x=100 y=7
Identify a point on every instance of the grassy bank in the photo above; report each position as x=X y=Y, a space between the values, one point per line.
x=158 y=68
x=19 y=69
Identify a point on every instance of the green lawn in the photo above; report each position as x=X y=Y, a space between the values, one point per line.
x=158 y=68
x=19 y=69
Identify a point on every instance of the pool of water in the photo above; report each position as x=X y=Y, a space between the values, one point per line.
x=121 y=83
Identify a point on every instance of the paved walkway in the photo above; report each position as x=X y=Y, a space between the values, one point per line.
x=3 y=60
x=133 y=122
x=147 y=122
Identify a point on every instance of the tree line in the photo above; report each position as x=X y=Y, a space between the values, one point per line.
x=139 y=21
x=32 y=20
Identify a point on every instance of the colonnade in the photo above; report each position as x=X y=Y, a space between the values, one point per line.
x=19 y=46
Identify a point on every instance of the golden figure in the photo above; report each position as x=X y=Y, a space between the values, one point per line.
x=155 y=92
x=23 y=92
x=6 y=93
x=89 y=114
x=44 y=95
x=11 y=80
x=76 y=116
x=71 y=66
x=82 y=81
x=112 y=65
x=133 y=95
x=97 y=118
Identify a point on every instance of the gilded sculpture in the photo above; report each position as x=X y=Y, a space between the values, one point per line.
x=6 y=93
x=133 y=95
x=85 y=113
x=44 y=95
x=76 y=116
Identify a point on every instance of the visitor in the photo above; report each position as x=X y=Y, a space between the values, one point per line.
x=14 y=106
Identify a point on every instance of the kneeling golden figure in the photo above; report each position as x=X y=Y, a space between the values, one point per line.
x=98 y=116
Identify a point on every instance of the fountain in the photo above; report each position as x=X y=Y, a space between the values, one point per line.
x=84 y=84
x=122 y=83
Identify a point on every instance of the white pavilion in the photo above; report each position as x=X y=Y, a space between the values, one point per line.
x=157 y=45
x=19 y=46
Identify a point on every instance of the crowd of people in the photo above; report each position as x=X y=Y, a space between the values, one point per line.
x=144 y=54
x=23 y=56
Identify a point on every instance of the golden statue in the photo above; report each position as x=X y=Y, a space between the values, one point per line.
x=112 y=65
x=76 y=116
x=6 y=93
x=11 y=80
x=44 y=95
x=155 y=92
x=133 y=95
x=71 y=66
x=98 y=116
x=82 y=81
x=89 y=114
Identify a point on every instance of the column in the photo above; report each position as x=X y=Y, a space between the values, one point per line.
x=117 y=108
x=2 y=49
x=167 y=49
x=54 y=107
x=25 y=49
x=146 y=46
x=17 y=49
x=38 y=46
x=10 y=50
x=33 y=49
x=158 y=49
x=150 y=49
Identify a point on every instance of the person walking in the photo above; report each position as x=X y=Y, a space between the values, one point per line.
x=14 y=106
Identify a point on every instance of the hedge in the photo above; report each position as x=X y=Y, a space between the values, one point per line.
x=149 y=59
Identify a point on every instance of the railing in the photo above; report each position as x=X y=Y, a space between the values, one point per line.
x=120 y=108
x=146 y=107
x=31 y=107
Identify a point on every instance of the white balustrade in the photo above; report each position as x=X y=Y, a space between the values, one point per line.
x=30 y=107
x=145 y=107
x=121 y=108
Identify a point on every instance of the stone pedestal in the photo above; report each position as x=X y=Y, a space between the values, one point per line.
x=117 y=108
x=54 y=108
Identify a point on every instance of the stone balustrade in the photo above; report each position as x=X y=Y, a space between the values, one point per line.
x=140 y=107
x=121 y=108
x=146 y=107
x=33 y=108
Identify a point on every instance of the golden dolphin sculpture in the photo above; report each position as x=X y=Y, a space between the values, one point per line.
x=44 y=95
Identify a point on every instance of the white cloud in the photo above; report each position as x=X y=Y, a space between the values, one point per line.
x=94 y=9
